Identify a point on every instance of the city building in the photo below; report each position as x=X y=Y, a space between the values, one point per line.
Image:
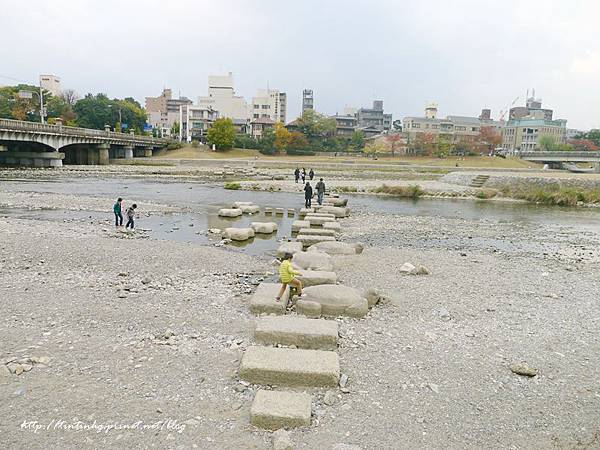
x=51 y=83
x=374 y=117
x=221 y=97
x=269 y=103
x=345 y=125
x=528 y=124
x=259 y=125
x=164 y=111
x=307 y=100
x=453 y=128
x=195 y=122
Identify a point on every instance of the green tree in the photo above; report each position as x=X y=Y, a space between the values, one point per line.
x=357 y=141
x=593 y=135
x=96 y=111
x=547 y=143
x=267 y=142
x=314 y=125
x=175 y=129
x=221 y=134
x=443 y=147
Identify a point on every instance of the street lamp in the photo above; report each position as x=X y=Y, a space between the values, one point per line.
x=29 y=95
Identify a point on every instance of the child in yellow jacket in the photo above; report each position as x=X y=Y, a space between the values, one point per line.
x=288 y=276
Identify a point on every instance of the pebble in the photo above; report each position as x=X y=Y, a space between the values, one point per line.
x=523 y=369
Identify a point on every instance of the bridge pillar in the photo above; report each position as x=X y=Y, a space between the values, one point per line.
x=103 y=156
x=128 y=152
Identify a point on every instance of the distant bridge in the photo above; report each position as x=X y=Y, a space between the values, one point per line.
x=562 y=159
x=41 y=145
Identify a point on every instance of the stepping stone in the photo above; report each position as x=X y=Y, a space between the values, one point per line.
x=291 y=212
x=263 y=299
x=239 y=204
x=317 y=220
x=305 y=211
x=333 y=300
x=317 y=277
x=312 y=239
x=264 y=227
x=280 y=211
x=337 y=211
x=335 y=201
x=273 y=410
x=299 y=224
x=318 y=231
x=238 y=234
x=329 y=216
x=313 y=260
x=290 y=367
x=316 y=334
x=268 y=211
x=335 y=226
x=230 y=212
x=289 y=247
x=338 y=248
x=250 y=209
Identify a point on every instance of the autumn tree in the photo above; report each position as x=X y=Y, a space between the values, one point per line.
x=282 y=137
x=394 y=140
x=297 y=140
x=423 y=144
x=375 y=147
x=490 y=137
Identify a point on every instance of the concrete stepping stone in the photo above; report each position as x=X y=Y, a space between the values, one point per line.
x=230 y=212
x=289 y=247
x=337 y=211
x=291 y=212
x=335 y=226
x=317 y=277
x=264 y=227
x=313 y=260
x=317 y=220
x=280 y=211
x=250 y=209
x=336 y=201
x=333 y=300
x=238 y=204
x=317 y=231
x=290 y=367
x=305 y=211
x=312 y=239
x=330 y=216
x=238 y=234
x=273 y=410
x=268 y=211
x=263 y=299
x=338 y=248
x=297 y=225
x=316 y=334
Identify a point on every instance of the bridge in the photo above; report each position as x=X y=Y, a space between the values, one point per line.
x=41 y=145
x=562 y=159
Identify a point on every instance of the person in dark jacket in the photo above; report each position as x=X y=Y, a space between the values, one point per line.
x=118 y=214
x=311 y=174
x=303 y=174
x=130 y=216
x=320 y=187
x=308 y=193
x=297 y=174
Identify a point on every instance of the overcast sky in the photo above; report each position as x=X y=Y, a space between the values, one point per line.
x=463 y=54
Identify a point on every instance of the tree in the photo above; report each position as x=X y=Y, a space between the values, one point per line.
x=221 y=134
x=282 y=137
x=175 y=129
x=443 y=147
x=70 y=96
x=314 y=125
x=393 y=139
x=375 y=147
x=593 y=135
x=297 y=141
x=490 y=137
x=584 y=145
x=357 y=141
x=267 y=142
x=547 y=143
x=423 y=144
x=96 y=111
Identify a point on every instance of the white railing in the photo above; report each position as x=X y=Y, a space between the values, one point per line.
x=19 y=125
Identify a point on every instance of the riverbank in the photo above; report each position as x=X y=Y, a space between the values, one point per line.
x=152 y=330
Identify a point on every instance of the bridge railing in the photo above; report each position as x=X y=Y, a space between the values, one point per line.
x=566 y=155
x=20 y=125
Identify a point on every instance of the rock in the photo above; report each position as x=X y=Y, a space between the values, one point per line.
x=263 y=300
x=338 y=248
x=250 y=209
x=237 y=205
x=317 y=231
x=238 y=234
x=4 y=371
x=444 y=314
x=337 y=211
x=335 y=226
x=289 y=247
x=343 y=380
x=317 y=277
x=297 y=331
x=214 y=231
x=407 y=268
x=273 y=410
x=421 y=270
x=264 y=227
x=282 y=440
x=334 y=300
x=336 y=201
x=330 y=398
x=372 y=296
x=26 y=367
x=523 y=369
x=123 y=274
x=297 y=225
x=312 y=239
x=230 y=212
x=313 y=260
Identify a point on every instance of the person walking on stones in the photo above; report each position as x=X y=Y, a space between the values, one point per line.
x=297 y=174
x=303 y=175
x=130 y=216
x=287 y=274
x=308 y=193
x=320 y=191
x=311 y=174
x=118 y=214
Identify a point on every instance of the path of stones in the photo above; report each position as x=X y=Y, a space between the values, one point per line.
x=293 y=354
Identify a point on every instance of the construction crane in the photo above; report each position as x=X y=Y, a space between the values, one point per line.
x=507 y=108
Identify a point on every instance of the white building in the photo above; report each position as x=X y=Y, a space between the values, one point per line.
x=269 y=103
x=195 y=122
x=51 y=83
x=221 y=97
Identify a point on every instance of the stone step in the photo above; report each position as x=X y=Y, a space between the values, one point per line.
x=272 y=410
x=297 y=225
x=312 y=239
x=317 y=231
x=290 y=367
x=263 y=299
x=317 y=220
x=315 y=334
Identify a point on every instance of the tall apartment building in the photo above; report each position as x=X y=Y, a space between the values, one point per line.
x=51 y=83
x=164 y=111
x=221 y=97
x=307 y=100
x=269 y=103
x=374 y=117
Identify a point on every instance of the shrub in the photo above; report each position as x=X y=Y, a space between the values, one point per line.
x=195 y=143
x=560 y=196
x=300 y=152
x=485 y=194
x=412 y=191
x=174 y=145
x=234 y=186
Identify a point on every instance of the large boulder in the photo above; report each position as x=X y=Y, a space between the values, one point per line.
x=264 y=227
x=238 y=234
x=289 y=247
x=332 y=300
x=337 y=211
x=317 y=277
x=230 y=212
x=338 y=248
x=313 y=260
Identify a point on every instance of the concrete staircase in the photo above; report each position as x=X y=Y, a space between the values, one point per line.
x=479 y=181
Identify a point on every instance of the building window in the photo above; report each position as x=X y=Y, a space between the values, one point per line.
x=256 y=106
x=415 y=125
x=266 y=106
x=256 y=116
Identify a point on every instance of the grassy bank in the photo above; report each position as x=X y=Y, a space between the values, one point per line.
x=560 y=196
x=413 y=191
